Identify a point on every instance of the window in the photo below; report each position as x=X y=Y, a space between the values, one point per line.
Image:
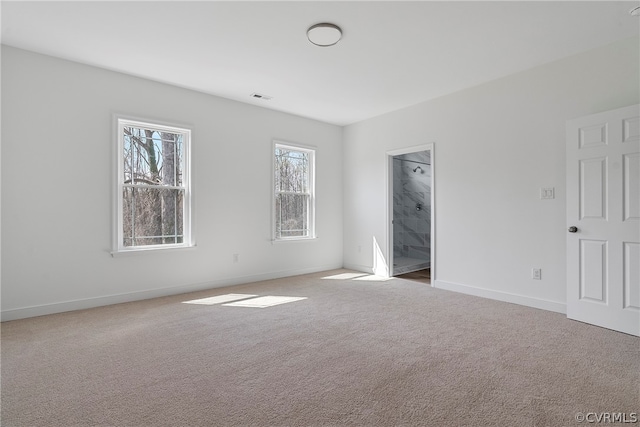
x=294 y=203
x=153 y=197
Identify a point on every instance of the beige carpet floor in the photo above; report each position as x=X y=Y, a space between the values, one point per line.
x=354 y=352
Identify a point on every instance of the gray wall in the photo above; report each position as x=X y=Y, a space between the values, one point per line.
x=495 y=146
x=57 y=181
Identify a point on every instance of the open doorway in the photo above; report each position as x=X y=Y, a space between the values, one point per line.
x=410 y=203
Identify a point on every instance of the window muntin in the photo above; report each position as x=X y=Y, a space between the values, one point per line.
x=294 y=203
x=153 y=186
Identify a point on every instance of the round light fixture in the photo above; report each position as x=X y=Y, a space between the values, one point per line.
x=324 y=34
x=635 y=11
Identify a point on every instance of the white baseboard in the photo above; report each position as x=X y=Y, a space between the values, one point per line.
x=358 y=267
x=60 y=307
x=557 y=307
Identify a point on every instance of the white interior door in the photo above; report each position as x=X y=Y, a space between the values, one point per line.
x=603 y=219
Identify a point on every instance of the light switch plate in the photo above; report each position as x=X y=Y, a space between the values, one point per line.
x=547 y=193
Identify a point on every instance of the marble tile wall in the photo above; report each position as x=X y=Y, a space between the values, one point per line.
x=412 y=227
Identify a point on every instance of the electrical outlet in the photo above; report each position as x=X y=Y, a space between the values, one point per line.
x=536 y=273
x=236 y=257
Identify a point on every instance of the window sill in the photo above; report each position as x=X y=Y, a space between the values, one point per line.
x=144 y=251
x=294 y=239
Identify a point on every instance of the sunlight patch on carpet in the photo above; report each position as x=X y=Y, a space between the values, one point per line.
x=345 y=276
x=263 y=302
x=219 y=299
x=358 y=276
x=373 y=278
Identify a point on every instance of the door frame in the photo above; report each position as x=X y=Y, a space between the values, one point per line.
x=389 y=201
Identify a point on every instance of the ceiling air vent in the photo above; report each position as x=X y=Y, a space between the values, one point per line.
x=261 y=96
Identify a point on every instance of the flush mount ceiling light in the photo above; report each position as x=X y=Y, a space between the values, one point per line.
x=635 y=11
x=324 y=34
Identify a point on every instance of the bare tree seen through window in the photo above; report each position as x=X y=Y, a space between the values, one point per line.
x=292 y=193
x=153 y=192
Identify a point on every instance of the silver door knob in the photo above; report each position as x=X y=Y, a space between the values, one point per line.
x=573 y=229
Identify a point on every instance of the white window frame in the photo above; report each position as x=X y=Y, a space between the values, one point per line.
x=118 y=233
x=312 y=189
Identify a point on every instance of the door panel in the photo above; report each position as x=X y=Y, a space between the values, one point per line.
x=631 y=276
x=593 y=135
x=631 y=187
x=631 y=129
x=593 y=188
x=603 y=203
x=593 y=270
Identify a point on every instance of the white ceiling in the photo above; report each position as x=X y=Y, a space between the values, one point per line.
x=392 y=55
